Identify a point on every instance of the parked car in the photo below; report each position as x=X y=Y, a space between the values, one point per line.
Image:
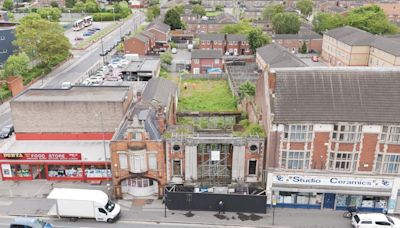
x=373 y=220
x=66 y=85
x=113 y=78
x=87 y=34
x=314 y=58
x=92 y=30
x=7 y=131
x=174 y=51
x=78 y=38
x=97 y=28
x=25 y=222
x=87 y=82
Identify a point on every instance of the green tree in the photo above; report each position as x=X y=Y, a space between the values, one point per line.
x=247 y=89
x=16 y=65
x=219 y=7
x=270 y=10
x=79 y=7
x=303 y=48
x=122 y=8
x=257 y=38
x=54 y=4
x=91 y=6
x=180 y=9
x=154 y=2
x=70 y=3
x=305 y=7
x=326 y=21
x=199 y=10
x=50 y=13
x=42 y=40
x=286 y=23
x=8 y=5
x=243 y=27
x=166 y=58
x=371 y=19
x=152 y=12
x=173 y=19
x=10 y=16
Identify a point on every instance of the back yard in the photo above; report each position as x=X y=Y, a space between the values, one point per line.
x=206 y=96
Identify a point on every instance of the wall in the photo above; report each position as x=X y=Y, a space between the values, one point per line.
x=6 y=44
x=160 y=36
x=135 y=46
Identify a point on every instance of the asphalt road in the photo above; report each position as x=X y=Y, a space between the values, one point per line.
x=82 y=61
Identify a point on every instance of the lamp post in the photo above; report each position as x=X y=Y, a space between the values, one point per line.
x=165 y=204
x=102 y=50
x=105 y=154
x=113 y=14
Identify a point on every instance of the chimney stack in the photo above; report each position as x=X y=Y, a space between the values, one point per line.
x=271 y=81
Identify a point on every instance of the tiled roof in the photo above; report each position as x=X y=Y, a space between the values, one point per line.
x=211 y=36
x=390 y=46
x=277 y=56
x=236 y=37
x=351 y=36
x=159 y=25
x=206 y=54
x=337 y=94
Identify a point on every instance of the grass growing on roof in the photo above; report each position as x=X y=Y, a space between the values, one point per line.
x=206 y=96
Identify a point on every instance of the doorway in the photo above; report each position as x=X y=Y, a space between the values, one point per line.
x=38 y=172
x=329 y=200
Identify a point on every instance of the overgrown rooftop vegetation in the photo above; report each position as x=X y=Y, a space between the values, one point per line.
x=197 y=95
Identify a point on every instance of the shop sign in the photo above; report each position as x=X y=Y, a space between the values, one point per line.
x=332 y=181
x=215 y=155
x=41 y=156
x=6 y=169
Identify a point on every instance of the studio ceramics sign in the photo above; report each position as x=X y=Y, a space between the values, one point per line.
x=332 y=181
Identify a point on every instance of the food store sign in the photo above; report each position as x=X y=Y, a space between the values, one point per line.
x=41 y=156
x=332 y=181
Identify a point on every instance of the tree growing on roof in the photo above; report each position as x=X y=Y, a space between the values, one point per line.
x=247 y=89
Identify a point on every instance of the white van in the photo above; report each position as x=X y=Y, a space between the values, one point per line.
x=374 y=220
x=66 y=85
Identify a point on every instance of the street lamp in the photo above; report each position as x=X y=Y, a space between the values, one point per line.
x=102 y=51
x=113 y=14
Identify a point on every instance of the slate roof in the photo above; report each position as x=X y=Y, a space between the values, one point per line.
x=337 y=94
x=206 y=54
x=160 y=90
x=387 y=45
x=297 y=36
x=142 y=38
x=159 y=25
x=277 y=56
x=236 y=37
x=351 y=36
x=211 y=36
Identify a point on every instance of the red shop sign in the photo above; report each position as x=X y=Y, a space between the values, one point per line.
x=41 y=156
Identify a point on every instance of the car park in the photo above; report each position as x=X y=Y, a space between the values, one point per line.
x=374 y=220
x=26 y=222
x=6 y=131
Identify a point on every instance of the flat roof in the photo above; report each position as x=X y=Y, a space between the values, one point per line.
x=75 y=93
x=150 y=64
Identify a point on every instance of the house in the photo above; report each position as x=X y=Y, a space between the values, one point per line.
x=294 y=42
x=7 y=36
x=348 y=46
x=161 y=32
x=332 y=137
x=205 y=61
x=212 y=42
x=275 y=56
x=139 y=44
x=237 y=44
x=234 y=44
x=137 y=147
x=210 y=25
x=151 y=36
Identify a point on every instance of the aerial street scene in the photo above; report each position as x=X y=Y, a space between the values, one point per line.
x=200 y=113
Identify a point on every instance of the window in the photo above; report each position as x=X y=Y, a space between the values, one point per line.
x=343 y=161
x=3 y=51
x=123 y=161
x=2 y=38
x=101 y=210
x=346 y=133
x=252 y=167
x=388 y=163
x=382 y=223
x=137 y=162
x=196 y=61
x=295 y=159
x=152 y=161
x=297 y=132
x=216 y=61
x=176 y=168
x=391 y=134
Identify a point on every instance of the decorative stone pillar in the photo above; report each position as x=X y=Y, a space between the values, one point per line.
x=238 y=162
x=190 y=162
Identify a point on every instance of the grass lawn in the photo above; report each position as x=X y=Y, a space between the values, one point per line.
x=206 y=96
x=213 y=13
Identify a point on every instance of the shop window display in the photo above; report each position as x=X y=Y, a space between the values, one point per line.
x=301 y=198
x=20 y=171
x=97 y=171
x=360 y=201
x=69 y=171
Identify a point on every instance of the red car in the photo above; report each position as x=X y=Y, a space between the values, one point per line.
x=314 y=58
x=78 y=38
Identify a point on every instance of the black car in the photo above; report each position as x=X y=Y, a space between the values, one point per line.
x=7 y=131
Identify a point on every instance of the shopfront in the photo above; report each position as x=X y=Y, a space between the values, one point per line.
x=332 y=191
x=51 y=166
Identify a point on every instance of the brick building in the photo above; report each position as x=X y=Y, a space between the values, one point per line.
x=234 y=44
x=63 y=134
x=210 y=25
x=348 y=46
x=139 y=44
x=162 y=34
x=333 y=137
x=137 y=148
x=205 y=60
x=293 y=42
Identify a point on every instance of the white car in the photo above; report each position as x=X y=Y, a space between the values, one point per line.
x=95 y=79
x=374 y=220
x=174 y=51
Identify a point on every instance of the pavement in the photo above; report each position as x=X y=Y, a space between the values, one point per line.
x=28 y=198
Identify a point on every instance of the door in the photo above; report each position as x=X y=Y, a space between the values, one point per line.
x=196 y=70
x=101 y=214
x=329 y=200
x=38 y=172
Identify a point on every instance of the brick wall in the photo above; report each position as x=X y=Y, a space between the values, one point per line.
x=135 y=46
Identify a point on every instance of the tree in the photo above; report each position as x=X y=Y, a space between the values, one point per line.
x=272 y=9
x=70 y=3
x=166 y=58
x=173 y=19
x=257 y=38
x=91 y=6
x=16 y=65
x=50 y=13
x=79 y=6
x=219 y=7
x=303 y=48
x=54 y=4
x=199 y=10
x=152 y=12
x=243 y=27
x=41 y=39
x=180 y=9
x=326 y=21
x=154 y=2
x=305 y=7
x=8 y=5
x=371 y=19
x=122 y=8
x=286 y=23
x=247 y=89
